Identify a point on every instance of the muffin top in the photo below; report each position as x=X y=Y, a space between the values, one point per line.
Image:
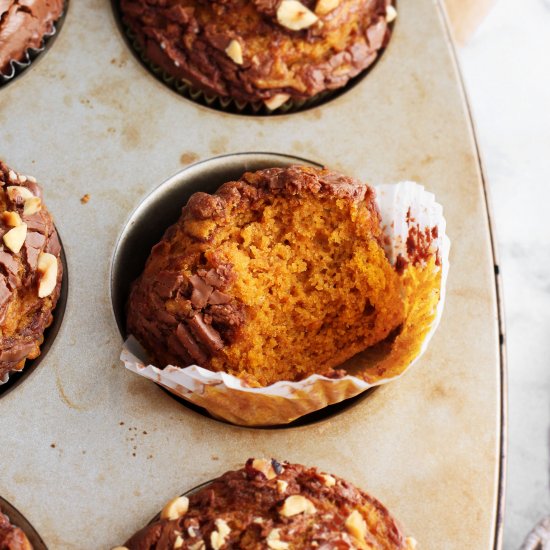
x=23 y=24
x=11 y=537
x=30 y=269
x=260 y=50
x=274 y=505
x=276 y=276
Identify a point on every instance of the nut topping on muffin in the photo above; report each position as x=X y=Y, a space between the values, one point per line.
x=238 y=511
x=30 y=269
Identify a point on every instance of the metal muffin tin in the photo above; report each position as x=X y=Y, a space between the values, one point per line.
x=91 y=451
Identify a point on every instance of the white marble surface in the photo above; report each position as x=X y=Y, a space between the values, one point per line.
x=506 y=66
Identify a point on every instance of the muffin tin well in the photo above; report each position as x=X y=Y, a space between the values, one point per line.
x=33 y=55
x=228 y=105
x=160 y=209
x=19 y=520
x=31 y=365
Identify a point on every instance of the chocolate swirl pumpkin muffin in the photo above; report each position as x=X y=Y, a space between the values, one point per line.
x=30 y=269
x=276 y=506
x=23 y=25
x=276 y=276
x=268 y=51
x=11 y=537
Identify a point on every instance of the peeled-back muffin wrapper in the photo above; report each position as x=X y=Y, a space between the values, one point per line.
x=407 y=211
x=18 y=66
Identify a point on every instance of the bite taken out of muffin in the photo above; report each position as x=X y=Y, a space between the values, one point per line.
x=30 y=269
x=277 y=276
x=277 y=506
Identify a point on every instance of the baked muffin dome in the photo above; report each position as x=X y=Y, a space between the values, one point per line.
x=23 y=24
x=271 y=505
x=30 y=269
x=11 y=537
x=260 y=50
x=276 y=276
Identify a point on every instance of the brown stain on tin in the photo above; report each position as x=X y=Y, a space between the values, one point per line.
x=188 y=157
x=218 y=145
x=63 y=395
x=131 y=136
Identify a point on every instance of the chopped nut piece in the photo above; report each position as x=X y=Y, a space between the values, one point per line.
x=15 y=238
x=328 y=480
x=297 y=504
x=85 y=198
x=47 y=267
x=274 y=541
x=410 y=543
x=175 y=508
x=32 y=206
x=191 y=532
x=265 y=467
x=295 y=16
x=391 y=14
x=235 y=51
x=15 y=191
x=325 y=6
x=178 y=543
x=357 y=526
x=276 y=101
x=11 y=219
x=197 y=545
x=259 y=521
x=281 y=486
x=217 y=538
x=12 y=176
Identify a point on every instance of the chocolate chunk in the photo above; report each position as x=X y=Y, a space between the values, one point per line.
x=167 y=282
x=17 y=352
x=34 y=239
x=32 y=256
x=191 y=345
x=34 y=188
x=9 y=262
x=206 y=334
x=201 y=291
x=5 y=292
x=53 y=246
x=219 y=298
x=36 y=222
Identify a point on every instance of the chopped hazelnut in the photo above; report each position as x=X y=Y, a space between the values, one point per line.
x=197 y=545
x=175 y=508
x=11 y=219
x=391 y=14
x=15 y=191
x=217 y=538
x=357 y=526
x=274 y=541
x=12 y=176
x=281 y=486
x=235 y=51
x=32 y=206
x=328 y=480
x=15 y=238
x=276 y=101
x=178 y=543
x=47 y=268
x=295 y=16
x=264 y=466
x=325 y=6
x=297 y=504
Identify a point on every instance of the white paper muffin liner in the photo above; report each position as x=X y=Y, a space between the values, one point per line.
x=404 y=207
